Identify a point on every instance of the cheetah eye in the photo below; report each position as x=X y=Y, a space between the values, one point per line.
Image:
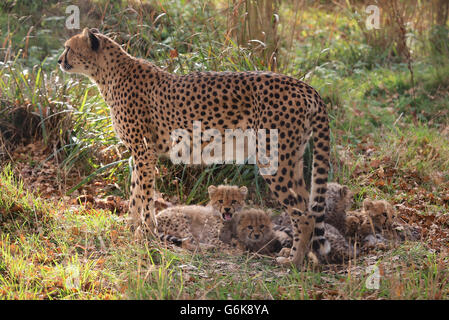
x=234 y=201
x=220 y=201
x=250 y=227
x=385 y=214
x=262 y=226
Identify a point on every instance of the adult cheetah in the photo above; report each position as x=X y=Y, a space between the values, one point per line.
x=147 y=104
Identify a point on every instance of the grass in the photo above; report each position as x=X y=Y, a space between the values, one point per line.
x=389 y=141
x=57 y=251
x=78 y=253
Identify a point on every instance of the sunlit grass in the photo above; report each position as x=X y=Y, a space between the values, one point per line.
x=81 y=253
x=56 y=251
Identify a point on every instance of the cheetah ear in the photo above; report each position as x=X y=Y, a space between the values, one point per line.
x=367 y=204
x=92 y=39
x=243 y=190
x=211 y=190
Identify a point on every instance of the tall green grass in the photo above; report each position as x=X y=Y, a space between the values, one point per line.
x=327 y=49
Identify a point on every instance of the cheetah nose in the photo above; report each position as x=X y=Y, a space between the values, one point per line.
x=227 y=209
x=59 y=61
x=257 y=236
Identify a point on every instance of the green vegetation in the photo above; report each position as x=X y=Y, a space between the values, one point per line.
x=389 y=141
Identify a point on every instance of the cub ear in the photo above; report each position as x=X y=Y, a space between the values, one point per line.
x=211 y=190
x=367 y=204
x=243 y=190
x=344 y=191
x=392 y=211
x=92 y=39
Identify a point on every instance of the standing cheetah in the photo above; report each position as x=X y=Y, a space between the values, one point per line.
x=147 y=104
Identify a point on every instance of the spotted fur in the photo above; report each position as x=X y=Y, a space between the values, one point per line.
x=148 y=103
x=341 y=249
x=254 y=232
x=376 y=225
x=339 y=199
x=194 y=226
x=376 y=216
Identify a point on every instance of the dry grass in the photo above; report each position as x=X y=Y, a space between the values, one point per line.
x=386 y=136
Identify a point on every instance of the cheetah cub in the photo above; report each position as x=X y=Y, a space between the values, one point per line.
x=376 y=217
x=194 y=227
x=377 y=224
x=338 y=200
x=228 y=201
x=253 y=231
x=247 y=228
x=341 y=250
x=366 y=227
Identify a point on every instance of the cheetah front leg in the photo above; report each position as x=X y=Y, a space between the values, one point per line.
x=141 y=205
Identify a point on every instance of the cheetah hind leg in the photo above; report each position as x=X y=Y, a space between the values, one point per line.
x=303 y=226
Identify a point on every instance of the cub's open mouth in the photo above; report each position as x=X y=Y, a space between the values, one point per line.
x=226 y=216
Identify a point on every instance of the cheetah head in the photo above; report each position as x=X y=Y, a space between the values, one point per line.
x=352 y=225
x=82 y=53
x=380 y=211
x=254 y=226
x=227 y=199
x=338 y=198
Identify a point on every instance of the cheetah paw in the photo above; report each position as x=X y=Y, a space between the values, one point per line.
x=285 y=252
x=138 y=234
x=313 y=258
x=284 y=261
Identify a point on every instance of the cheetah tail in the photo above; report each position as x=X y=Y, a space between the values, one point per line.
x=172 y=239
x=321 y=142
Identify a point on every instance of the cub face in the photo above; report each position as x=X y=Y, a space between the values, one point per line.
x=82 y=52
x=254 y=226
x=380 y=211
x=338 y=198
x=353 y=223
x=227 y=200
